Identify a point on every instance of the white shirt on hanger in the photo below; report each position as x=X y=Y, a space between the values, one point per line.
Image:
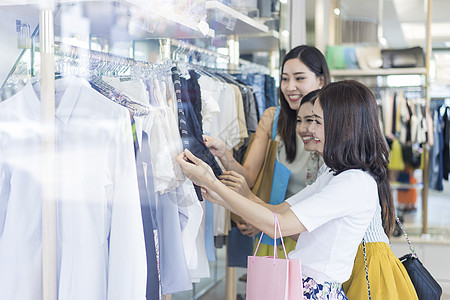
x=100 y=242
x=223 y=124
x=165 y=144
x=210 y=107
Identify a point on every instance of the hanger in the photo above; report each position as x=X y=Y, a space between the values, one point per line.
x=108 y=91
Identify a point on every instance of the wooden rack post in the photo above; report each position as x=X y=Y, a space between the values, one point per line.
x=230 y=279
x=426 y=157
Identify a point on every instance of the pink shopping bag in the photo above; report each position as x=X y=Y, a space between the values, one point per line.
x=273 y=278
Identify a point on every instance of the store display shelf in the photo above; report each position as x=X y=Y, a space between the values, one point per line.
x=168 y=23
x=182 y=20
x=399 y=185
x=378 y=72
x=226 y=20
x=259 y=42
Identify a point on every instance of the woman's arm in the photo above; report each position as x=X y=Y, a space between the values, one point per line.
x=256 y=212
x=257 y=152
x=237 y=183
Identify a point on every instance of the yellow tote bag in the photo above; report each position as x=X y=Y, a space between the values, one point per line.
x=263 y=184
x=396 y=162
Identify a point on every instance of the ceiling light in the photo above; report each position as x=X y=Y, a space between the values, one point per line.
x=337 y=11
x=383 y=41
x=285 y=33
x=283 y=1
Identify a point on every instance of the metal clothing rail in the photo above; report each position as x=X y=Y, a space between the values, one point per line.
x=183 y=46
x=97 y=56
x=98 y=64
x=253 y=67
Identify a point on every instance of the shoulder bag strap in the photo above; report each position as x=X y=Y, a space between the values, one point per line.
x=275 y=123
x=366 y=269
x=411 y=247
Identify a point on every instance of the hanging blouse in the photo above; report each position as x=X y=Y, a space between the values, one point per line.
x=223 y=125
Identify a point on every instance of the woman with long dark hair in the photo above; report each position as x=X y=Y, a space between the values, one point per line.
x=332 y=214
x=303 y=70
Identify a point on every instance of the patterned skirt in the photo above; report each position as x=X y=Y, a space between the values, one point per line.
x=323 y=290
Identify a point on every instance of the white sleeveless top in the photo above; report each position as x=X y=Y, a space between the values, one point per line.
x=298 y=168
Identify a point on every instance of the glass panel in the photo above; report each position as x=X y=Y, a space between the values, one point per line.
x=91 y=198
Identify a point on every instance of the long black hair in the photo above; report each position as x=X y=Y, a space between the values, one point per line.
x=310 y=97
x=315 y=61
x=354 y=140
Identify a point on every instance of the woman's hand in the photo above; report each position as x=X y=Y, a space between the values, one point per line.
x=201 y=174
x=212 y=197
x=196 y=170
x=236 y=182
x=216 y=146
x=247 y=228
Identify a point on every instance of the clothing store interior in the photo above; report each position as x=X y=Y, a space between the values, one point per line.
x=162 y=74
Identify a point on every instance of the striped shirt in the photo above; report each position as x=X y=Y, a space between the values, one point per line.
x=375 y=232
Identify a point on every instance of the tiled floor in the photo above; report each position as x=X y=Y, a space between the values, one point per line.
x=438 y=227
x=438 y=213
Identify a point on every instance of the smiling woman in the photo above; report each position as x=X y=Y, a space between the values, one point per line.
x=304 y=69
x=305 y=118
x=298 y=80
x=317 y=129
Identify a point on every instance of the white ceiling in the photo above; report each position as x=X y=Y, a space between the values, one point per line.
x=403 y=21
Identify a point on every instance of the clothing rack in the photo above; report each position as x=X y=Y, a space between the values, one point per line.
x=92 y=63
x=187 y=50
x=74 y=58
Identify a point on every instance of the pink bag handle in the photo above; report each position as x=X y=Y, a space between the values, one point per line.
x=275 y=254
